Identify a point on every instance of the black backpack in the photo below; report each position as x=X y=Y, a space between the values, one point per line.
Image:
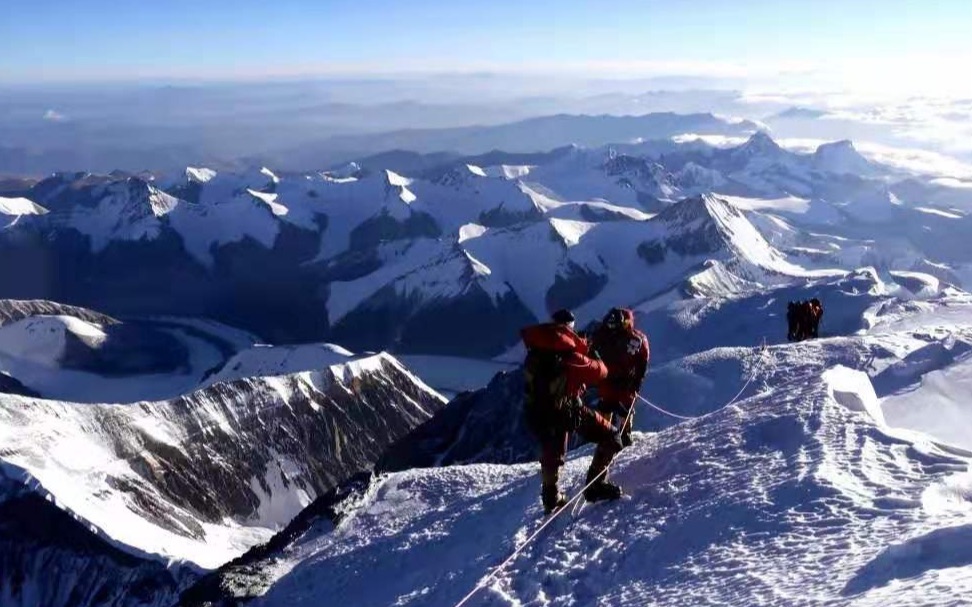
x=546 y=392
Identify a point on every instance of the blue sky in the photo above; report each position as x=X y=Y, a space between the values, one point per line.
x=43 y=40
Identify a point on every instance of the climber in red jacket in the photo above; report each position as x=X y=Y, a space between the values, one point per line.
x=624 y=349
x=558 y=368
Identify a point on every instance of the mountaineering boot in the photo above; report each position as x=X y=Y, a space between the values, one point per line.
x=550 y=495
x=602 y=490
x=554 y=503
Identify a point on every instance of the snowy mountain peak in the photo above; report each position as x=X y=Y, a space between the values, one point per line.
x=841 y=157
x=623 y=164
x=20 y=206
x=270 y=174
x=46 y=341
x=570 y=232
x=396 y=180
x=640 y=174
x=475 y=170
x=270 y=200
x=759 y=144
x=470 y=231
x=703 y=207
x=351 y=170
x=737 y=256
x=160 y=202
x=461 y=175
x=397 y=185
x=128 y=202
x=199 y=175
x=696 y=178
x=799 y=494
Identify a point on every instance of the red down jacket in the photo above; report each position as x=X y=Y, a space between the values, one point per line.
x=580 y=368
x=625 y=351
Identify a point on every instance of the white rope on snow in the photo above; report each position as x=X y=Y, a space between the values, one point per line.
x=752 y=376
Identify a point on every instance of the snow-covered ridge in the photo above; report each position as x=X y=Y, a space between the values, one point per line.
x=205 y=476
x=13 y=310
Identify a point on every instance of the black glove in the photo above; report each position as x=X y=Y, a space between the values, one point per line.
x=574 y=414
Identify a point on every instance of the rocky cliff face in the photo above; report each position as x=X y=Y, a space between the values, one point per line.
x=48 y=558
x=476 y=427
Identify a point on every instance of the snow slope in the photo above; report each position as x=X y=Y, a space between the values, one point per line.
x=43 y=340
x=938 y=406
x=798 y=494
x=264 y=360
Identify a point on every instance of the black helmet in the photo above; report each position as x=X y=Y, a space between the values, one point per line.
x=564 y=317
x=614 y=319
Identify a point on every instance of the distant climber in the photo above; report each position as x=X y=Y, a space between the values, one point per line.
x=803 y=319
x=815 y=314
x=558 y=368
x=792 y=321
x=624 y=349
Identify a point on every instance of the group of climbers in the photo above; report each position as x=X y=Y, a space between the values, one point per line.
x=803 y=319
x=560 y=365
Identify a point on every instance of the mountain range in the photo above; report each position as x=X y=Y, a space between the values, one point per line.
x=373 y=259
x=281 y=388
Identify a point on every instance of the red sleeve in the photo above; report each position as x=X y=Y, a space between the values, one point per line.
x=582 y=370
x=553 y=337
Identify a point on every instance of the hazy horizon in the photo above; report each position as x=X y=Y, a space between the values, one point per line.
x=865 y=43
x=151 y=86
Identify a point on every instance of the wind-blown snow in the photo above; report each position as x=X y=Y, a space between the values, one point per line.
x=939 y=405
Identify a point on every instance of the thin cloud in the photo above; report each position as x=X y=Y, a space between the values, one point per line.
x=54 y=116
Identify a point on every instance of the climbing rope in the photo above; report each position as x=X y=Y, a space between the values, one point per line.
x=519 y=549
x=657 y=408
x=752 y=376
